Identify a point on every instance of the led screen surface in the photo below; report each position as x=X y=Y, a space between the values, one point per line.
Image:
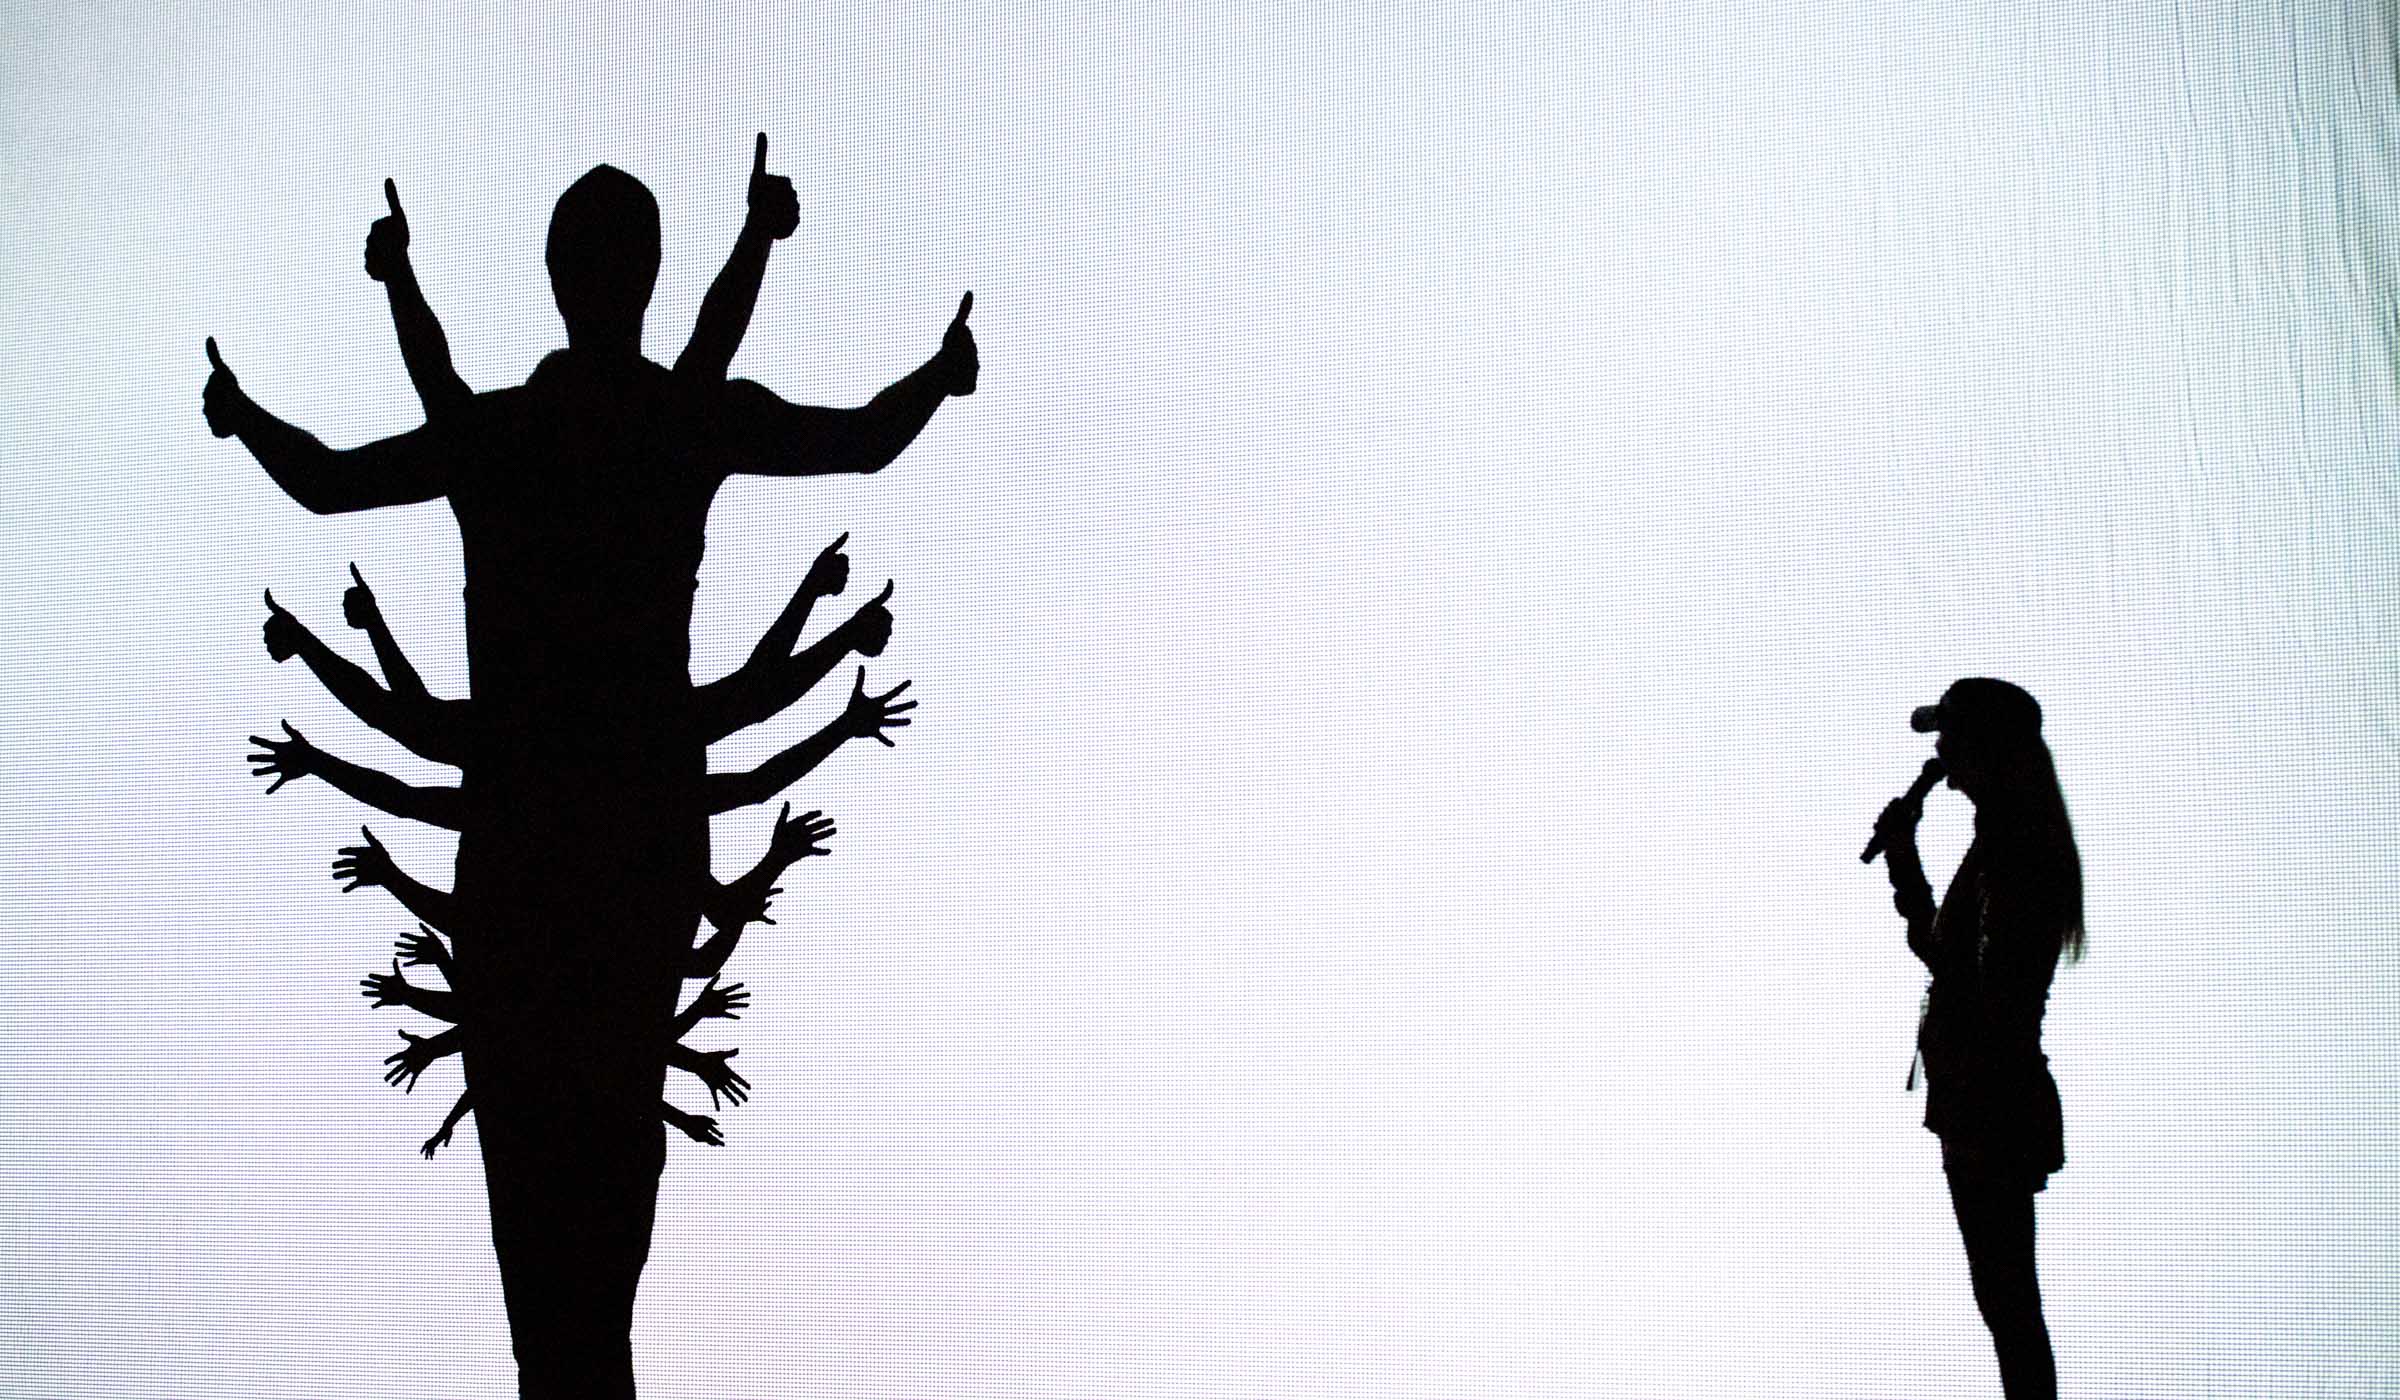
x=1412 y=632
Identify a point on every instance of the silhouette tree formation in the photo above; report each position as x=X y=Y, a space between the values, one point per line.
x=583 y=871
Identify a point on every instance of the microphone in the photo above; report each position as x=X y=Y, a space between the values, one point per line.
x=1927 y=776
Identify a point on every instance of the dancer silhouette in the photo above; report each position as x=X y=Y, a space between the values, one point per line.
x=581 y=498
x=2013 y=907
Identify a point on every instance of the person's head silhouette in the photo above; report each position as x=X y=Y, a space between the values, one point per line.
x=603 y=256
x=1989 y=738
x=1988 y=732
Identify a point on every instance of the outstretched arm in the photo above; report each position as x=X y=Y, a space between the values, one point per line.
x=761 y=434
x=424 y=949
x=699 y=1127
x=393 y=989
x=415 y=466
x=295 y=757
x=713 y=1000
x=413 y=1058
x=731 y=907
x=725 y=311
x=433 y=728
x=710 y=1066
x=828 y=575
x=865 y=716
x=423 y=346
x=371 y=864
x=771 y=680
x=362 y=611
x=441 y=1139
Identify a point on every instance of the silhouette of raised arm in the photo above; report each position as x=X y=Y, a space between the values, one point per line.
x=713 y=1000
x=866 y=716
x=430 y=727
x=392 y=989
x=419 y=1053
x=423 y=346
x=424 y=949
x=699 y=1127
x=361 y=610
x=772 y=679
x=710 y=1067
x=414 y=466
x=759 y=433
x=725 y=312
x=828 y=574
x=745 y=900
x=371 y=864
x=441 y=1137
x=295 y=757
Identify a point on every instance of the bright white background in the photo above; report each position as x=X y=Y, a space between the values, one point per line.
x=1411 y=633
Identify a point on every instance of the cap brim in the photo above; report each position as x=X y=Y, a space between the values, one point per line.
x=1925 y=719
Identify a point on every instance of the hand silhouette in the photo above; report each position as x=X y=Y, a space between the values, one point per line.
x=282 y=631
x=960 y=363
x=794 y=840
x=1896 y=826
x=284 y=759
x=774 y=205
x=713 y=1000
x=437 y=1142
x=410 y=1061
x=867 y=716
x=422 y=948
x=222 y=401
x=384 y=988
x=722 y=1078
x=387 y=239
x=359 y=607
x=365 y=865
x=700 y=1128
x=869 y=630
x=830 y=574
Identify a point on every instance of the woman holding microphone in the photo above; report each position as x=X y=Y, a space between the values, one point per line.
x=2014 y=908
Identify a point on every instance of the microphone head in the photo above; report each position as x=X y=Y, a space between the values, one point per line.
x=1928 y=778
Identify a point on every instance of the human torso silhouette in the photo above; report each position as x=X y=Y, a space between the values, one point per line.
x=582 y=528
x=1993 y=951
x=582 y=500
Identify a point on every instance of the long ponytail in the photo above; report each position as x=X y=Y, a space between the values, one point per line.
x=2049 y=838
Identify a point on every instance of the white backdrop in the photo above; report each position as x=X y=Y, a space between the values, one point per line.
x=1412 y=633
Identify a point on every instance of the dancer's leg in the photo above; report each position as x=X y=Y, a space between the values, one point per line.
x=1995 y=1219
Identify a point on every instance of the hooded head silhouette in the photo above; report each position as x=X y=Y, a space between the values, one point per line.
x=603 y=256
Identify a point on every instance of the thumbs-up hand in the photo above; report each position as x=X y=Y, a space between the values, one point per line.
x=958 y=355
x=830 y=574
x=359 y=607
x=774 y=204
x=222 y=401
x=869 y=630
x=282 y=631
x=387 y=240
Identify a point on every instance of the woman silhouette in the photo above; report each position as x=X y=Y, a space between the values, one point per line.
x=2013 y=909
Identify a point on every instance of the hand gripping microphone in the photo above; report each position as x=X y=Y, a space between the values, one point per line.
x=1927 y=776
